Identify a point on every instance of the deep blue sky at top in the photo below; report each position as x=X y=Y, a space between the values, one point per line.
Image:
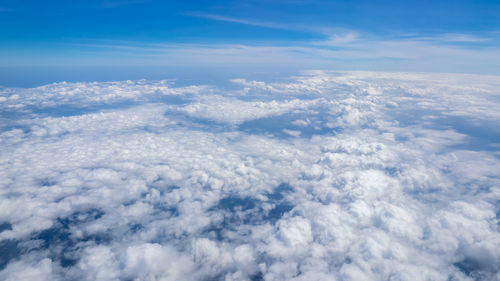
x=46 y=41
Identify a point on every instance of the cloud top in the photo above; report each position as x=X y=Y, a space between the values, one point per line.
x=322 y=176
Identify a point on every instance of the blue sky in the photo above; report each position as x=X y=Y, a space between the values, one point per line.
x=48 y=41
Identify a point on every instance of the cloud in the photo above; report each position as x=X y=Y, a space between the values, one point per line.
x=322 y=176
x=340 y=39
x=457 y=38
x=234 y=111
x=340 y=50
x=238 y=20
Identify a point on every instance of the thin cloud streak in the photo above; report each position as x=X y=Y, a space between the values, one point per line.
x=343 y=37
x=348 y=50
x=319 y=30
x=455 y=38
x=340 y=48
x=238 y=20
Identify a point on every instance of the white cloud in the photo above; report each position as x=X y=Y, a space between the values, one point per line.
x=41 y=270
x=157 y=262
x=234 y=111
x=238 y=20
x=379 y=178
x=91 y=94
x=336 y=49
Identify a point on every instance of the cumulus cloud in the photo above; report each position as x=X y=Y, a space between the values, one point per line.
x=234 y=111
x=325 y=176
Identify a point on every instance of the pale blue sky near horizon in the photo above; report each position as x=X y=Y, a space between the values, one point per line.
x=100 y=40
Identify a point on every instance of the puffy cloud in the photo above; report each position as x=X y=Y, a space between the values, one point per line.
x=234 y=111
x=326 y=176
x=156 y=262
x=40 y=270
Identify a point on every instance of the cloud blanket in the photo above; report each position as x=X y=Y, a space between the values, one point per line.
x=323 y=176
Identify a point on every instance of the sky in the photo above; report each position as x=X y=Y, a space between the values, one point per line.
x=52 y=41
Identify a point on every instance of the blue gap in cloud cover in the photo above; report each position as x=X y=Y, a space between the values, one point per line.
x=57 y=239
x=275 y=125
x=244 y=211
x=482 y=135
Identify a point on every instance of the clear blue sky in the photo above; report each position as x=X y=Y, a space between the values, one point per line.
x=48 y=41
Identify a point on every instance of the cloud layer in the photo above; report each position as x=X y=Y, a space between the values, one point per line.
x=325 y=176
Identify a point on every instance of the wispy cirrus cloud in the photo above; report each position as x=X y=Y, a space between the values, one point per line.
x=455 y=38
x=336 y=36
x=337 y=48
x=340 y=39
x=344 y=50
x=326 y=31
x=252 y=22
